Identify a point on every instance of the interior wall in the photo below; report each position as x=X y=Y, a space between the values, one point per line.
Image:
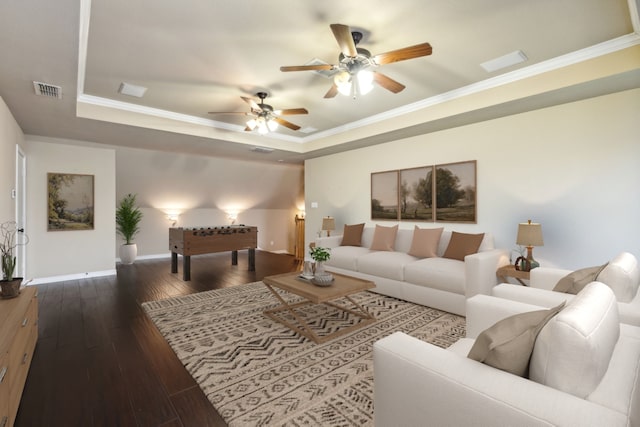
x=202 y=190
x=574 y=168
x=10 y=136
x=63 y=253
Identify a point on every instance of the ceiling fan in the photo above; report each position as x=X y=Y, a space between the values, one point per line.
x=353 y=75
x=264 y=117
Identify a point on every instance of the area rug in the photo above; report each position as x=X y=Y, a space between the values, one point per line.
x=257 y=372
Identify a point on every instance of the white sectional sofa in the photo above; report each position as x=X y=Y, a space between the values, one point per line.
x=584 y=371
x=436 y=282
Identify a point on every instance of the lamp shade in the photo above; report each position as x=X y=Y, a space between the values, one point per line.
x=529 y=234
x=328 y=223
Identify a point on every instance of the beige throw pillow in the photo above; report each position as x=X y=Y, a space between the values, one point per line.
x=508 y=344
x=384 y=238
x=425 y=242
x=352 y=235
x=574 y=282
x=463 y=244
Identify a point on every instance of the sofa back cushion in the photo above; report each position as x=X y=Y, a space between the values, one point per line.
x=573 y=350
x=622 y=275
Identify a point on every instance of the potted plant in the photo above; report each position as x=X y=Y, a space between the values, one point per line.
x=128 y=218
x=9 y=284
x=320 y=255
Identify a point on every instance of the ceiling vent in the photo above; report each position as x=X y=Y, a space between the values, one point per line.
x=45 y=89
x=262 y=150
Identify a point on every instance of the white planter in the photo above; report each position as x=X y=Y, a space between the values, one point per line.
x=128 y=253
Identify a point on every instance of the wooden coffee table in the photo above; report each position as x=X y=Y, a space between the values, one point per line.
x=342 y=287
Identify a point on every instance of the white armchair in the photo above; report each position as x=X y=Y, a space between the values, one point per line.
x=622 y=274
x=418 y=384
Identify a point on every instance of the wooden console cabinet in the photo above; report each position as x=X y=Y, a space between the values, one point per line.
x=18 y=336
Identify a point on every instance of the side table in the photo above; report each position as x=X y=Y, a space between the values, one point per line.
x=507 y=271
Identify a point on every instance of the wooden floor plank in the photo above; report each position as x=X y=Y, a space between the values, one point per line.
x=100 y=361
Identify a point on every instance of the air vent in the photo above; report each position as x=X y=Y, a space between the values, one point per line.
x=262 y=150
x=45 y=89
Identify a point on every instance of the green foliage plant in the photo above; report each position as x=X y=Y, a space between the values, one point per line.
x=320 y=254
x=128 y=218
x=8 y=243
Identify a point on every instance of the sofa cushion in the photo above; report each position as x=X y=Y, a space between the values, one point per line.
x=575 y=281
x=425 y=242
x=384 y=238
x=438 y=273
x=622 y=275
x=573 y=350
x=346 y=257
x=385 y=264
x=507 y=345
x=463 y=244
x=352 y=235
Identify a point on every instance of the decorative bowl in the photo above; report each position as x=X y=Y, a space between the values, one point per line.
x=324 y=279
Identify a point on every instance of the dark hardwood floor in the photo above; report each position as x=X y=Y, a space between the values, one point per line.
x=100 y=361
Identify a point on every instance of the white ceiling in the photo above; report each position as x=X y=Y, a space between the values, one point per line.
x=196 y=56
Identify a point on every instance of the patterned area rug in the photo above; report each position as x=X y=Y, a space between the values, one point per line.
x=258 y=372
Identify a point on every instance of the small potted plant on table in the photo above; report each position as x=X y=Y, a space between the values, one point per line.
x=9 y=284
x=320 y=255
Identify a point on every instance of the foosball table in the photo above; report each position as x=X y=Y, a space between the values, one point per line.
x=206 y=240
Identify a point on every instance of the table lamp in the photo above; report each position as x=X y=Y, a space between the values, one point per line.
x=530 y=235
x=328 y=225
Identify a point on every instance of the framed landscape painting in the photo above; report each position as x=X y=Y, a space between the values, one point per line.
x=384 y=195
x=70 y=200
x=416 y=194
x=456 y=192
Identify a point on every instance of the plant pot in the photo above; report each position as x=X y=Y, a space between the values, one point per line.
x=10 y=288
x=128 y=253
x=319 y=268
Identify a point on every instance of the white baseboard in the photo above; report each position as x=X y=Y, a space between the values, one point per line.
x=64 y=277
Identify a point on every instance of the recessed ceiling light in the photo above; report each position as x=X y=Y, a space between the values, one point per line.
x=504 y=61
x=132 y=90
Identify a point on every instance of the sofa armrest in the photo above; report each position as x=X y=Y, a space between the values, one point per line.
x=480 y=271
x=417 y=383
x=329 y=242
x=483 y=311
x=541 y=297
x=546 y=277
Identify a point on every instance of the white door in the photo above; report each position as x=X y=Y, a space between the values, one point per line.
x=21 y=211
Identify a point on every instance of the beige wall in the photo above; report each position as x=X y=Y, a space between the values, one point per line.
x=10 y=136
x=574 y=168
x=53 y=254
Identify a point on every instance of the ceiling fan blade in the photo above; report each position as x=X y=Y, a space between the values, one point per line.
x=286 y=123
x=229 y=112
x=254 y=105
x=342 y=33
x=332 y=92
x=307 y=67
x=410 y=52
x=291 y=111
x=247 y=129
x=387 y=82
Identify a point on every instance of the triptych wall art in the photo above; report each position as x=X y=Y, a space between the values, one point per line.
x=441 y=193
